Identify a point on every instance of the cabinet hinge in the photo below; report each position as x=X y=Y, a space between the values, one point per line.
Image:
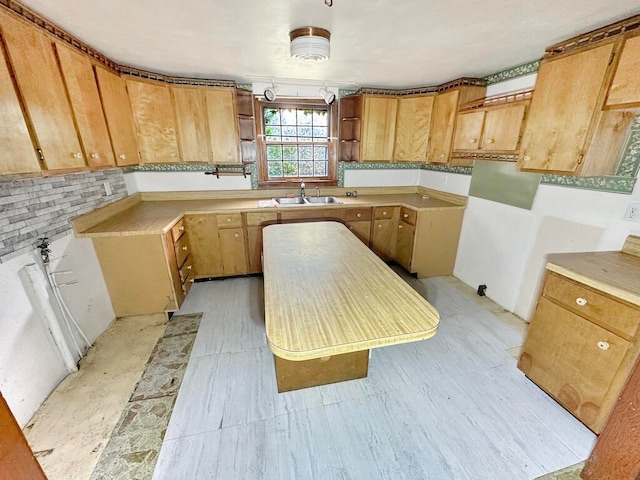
x=139 y=155
x=40 y=154
x=580 y=158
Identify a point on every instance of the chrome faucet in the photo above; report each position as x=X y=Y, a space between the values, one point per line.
x=317 y=191
x=302 y=190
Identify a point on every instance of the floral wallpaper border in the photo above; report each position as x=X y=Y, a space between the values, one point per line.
x=513 y=72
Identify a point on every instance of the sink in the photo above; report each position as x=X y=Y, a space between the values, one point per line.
x=290 y=201
x=322 y=200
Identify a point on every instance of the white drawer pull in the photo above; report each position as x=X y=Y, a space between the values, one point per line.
x=603 y=345
x=581 y=301
x=358 y=215
x=236 y=235
x=229 y=220
x=181 y=228
x=184 y=248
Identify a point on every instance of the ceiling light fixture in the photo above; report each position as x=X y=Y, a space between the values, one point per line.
x=271 y=93
x=310 y=44
x=327 y=95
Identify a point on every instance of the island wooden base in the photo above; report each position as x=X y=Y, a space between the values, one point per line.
x=320 y=371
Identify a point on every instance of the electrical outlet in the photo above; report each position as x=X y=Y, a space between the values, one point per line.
x=107 y=188
x=633 y=212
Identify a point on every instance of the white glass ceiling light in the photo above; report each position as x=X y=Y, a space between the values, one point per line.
x=328 y=96
x=310 y=44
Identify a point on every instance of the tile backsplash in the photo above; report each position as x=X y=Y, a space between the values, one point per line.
x=36 y=207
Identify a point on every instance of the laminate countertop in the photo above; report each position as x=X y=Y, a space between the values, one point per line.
x=145 y=217
x=327 y=294
x=614 y=273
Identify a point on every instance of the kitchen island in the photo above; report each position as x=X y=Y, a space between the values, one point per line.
x=328 y=300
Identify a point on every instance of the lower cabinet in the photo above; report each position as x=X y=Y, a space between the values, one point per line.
x=580 y=348
x=404 y=244
x=383 y=235
x=255 y=223
x=358 y=220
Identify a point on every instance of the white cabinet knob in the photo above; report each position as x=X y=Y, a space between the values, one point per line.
x=358 y=215
x=229 y=220
x=581 y=301
x=384 y=213
x=184 y=248
x=399 y=226
x=173 y=154
x=189 y=267
x=379 y=225
x=181 y=228
x=406 y=215
x=351 y=227
x=489 y=140
x=95 y=155
x=442 y=155
x=603 y=345
x=526 y=158
x=237 y=235
x=200 y=154
x=76 y=154
x=122 y=156
x=473 y=140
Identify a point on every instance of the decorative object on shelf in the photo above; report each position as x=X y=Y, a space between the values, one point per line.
x=310 y=44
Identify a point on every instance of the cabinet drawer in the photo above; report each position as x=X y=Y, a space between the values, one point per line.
x=357 y=214
x=384 y=212
x=231 y=220
x=186 y=271
x=177 y=230
x=408 y=216
x=313 y=214
x=258 y=219
x=182 y=251
x=611 y=314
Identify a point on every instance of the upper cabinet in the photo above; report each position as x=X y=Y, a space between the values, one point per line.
x=82 y=89
x=191 y=116
x=378 y=128
x=412 y=128
x=17 y=154
x=568 y=95
x=41 y=86
x=117 y=111
x=153 y=115
x=625 y=88
x=223 y=125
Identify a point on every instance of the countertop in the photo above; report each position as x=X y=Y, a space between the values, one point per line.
x=138 y=217
x=327 y=294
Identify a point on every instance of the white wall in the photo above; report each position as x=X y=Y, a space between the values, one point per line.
x=30 y=367
x=380 y=178
x=183 y=182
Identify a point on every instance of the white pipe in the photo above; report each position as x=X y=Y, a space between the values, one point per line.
x=40 y=295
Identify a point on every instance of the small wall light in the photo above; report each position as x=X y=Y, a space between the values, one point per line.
x=271 y=93
x=328 y=96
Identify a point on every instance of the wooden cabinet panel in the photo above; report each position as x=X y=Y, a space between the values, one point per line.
x=445 y=106
x=228 y=220
x=80 y=81
x=233 y=250
x=625 y=89
x=223 y=125
x=313 y=214
x=502 y=127
x=254 y=248
x=206 y=256
x=378 y=128
x=191 y=116
x=436 y=247
x=565 y=100
x=36 y=70
x=383 y=238
x=573 y=360
x=117 y=111
x=154 y=119
x=408 y=216
x=357 y=214
x=361 y=229
x=404 y=245
x=176 y=255
x=17 y=154
x=412 y=128
x=381 y=213
x=469 y=130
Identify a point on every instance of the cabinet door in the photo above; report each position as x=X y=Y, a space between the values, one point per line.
x=39 y=81
x=404 y=245
x=362 y=230
x=254 y=244
x=232 y=248
x=468 y=131
x=378 y=129
x=191 y=116
x=445 y=106
x=572 y=359
x=563 y=105
x=206 y=256
x=81 y=85
x=117 y=111
x=625 y=89
x=502 y=128
x=383 y=238
x=412 y=128
x=17 y=154
x=223 y=125
x=153 y=115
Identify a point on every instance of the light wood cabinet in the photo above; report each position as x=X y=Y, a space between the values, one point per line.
x=223 y=125
x=495 y=129
x=378 y=128
x=119 y=117
x=82 y=89
x=625 y=88
x=154 y=120
x=191 y=116
x=404 y=245
x=580 y=347
x=412 y=128
x=468 y=134
x=233 y=251
x=41 y=86
x=358 y=220
x=17 y=154
x=567 y=98
x=255 y=223
x=384 y=231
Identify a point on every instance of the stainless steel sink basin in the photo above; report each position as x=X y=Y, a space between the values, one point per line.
x=322 y=200
x=290 y=201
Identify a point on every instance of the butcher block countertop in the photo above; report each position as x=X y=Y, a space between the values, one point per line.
x=327 y=294
x=615 y=273
x=155 y=213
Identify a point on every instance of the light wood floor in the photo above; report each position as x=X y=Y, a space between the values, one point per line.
x=451 y=407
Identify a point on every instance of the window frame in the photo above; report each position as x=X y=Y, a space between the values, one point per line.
x=331 y=179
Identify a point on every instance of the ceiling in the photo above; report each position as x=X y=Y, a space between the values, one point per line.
x=374 y=43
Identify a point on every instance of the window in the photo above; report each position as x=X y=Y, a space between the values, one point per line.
x=295 y=142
